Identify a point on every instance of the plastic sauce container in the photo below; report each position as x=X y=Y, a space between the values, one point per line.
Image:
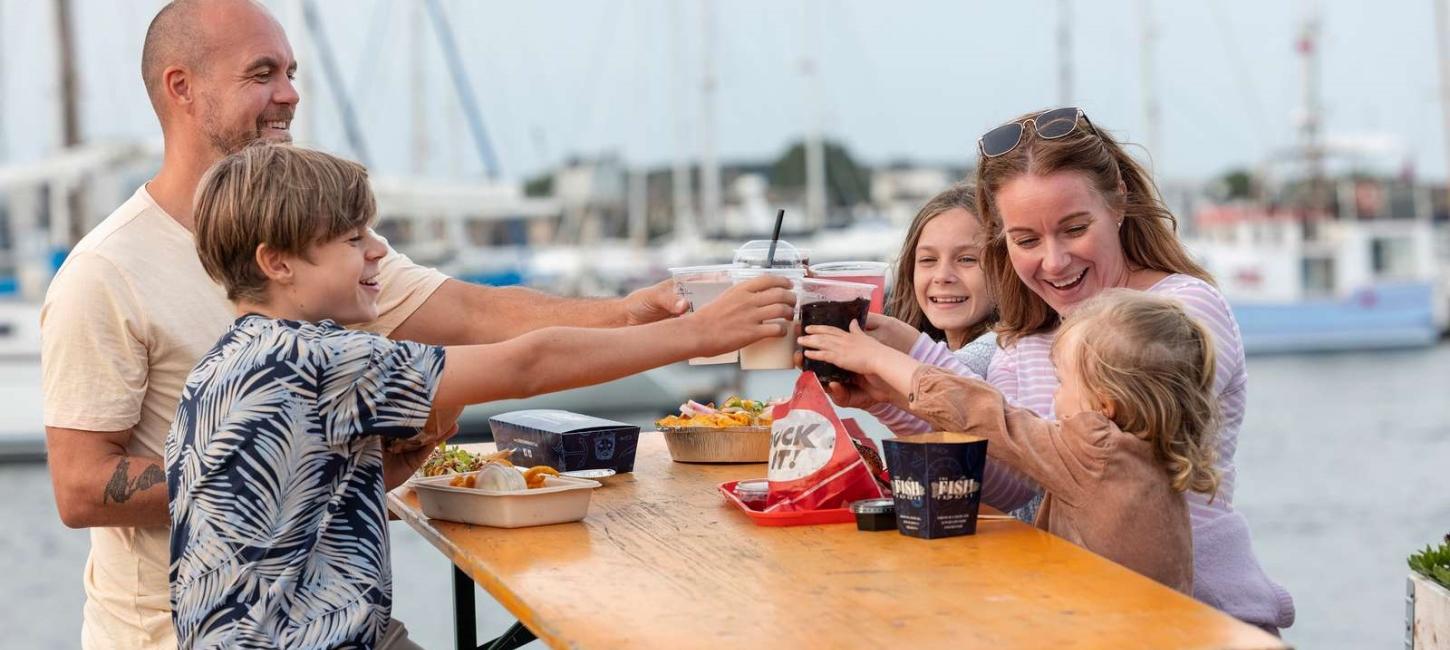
x=874 y=514
x=754 y=493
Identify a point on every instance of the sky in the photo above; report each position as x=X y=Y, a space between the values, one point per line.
x=909 y=79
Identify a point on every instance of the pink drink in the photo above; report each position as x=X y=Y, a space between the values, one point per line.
x=872 y=273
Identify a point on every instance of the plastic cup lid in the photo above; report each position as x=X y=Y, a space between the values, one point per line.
x=755 y=252
x=755 y=486
x=708 y=269
x=816 y=290
x=745 y=273
x=873 y=506
x=850 y=268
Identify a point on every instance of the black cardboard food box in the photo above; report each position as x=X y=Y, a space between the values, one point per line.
x=565 y=441
x=936 y=481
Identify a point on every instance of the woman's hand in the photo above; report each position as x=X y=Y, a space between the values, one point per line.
x=864 y=391
x=891 y=332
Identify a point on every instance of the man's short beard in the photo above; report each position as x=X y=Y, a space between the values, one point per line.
x=222 y=142
x=227 y=144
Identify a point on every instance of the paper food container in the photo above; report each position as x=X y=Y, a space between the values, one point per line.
x=562 y=499
x=565 y=441
x=718 y=444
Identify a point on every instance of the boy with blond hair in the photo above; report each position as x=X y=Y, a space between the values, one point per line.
x=274 y=464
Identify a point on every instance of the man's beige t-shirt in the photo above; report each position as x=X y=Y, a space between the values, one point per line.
x=125 y=319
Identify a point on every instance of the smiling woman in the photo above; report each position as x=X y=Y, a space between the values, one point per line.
x=1070 y=215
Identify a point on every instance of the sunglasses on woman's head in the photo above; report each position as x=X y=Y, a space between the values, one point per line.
x=1049 y=125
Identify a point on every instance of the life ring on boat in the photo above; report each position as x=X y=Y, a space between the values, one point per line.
x=1367 y=298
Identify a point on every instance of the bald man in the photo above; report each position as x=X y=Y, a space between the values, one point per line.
x=131 y=311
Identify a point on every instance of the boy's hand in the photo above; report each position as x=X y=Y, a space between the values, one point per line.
x=442 y=424
x=398 y=466
x=655 y=302
x=741 y=315
x=891 y=332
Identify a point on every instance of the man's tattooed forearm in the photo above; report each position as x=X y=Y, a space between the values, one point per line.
x=120 y=488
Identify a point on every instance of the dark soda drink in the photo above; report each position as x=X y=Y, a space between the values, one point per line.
x=836 y=314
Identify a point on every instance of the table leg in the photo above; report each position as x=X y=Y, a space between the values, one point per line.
x=516 y=637
x=465 y=630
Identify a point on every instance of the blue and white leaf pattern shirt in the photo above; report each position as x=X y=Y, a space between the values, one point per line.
x=275 y=475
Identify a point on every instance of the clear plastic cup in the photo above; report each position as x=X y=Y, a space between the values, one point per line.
x=834 y=303
x=754 y=253
x=873 y=273
x=776 y=352
x=701 y=285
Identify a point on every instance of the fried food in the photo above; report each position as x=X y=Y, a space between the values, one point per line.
x=534 y=476
x=734 y=412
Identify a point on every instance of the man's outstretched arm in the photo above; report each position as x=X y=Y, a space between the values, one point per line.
x=461 y=313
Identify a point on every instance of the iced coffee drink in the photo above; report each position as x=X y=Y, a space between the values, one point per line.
x=776 y=352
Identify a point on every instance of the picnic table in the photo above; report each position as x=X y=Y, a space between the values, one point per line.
x=662 y=561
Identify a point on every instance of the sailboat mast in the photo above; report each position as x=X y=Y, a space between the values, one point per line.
x=304 y=117
x=814 y=147
x=4 y=142
x=1442 y=43
x=419 y=88
x=67 y=201
x=1064 y=53
x=709 y=165
x=70 y=129
x=1147 y=58
x=1310 y=134
x=685 y=227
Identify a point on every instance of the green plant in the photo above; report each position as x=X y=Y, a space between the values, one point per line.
x=1434 y=563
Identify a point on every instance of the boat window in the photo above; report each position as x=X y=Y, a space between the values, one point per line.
x=1392 y=257
x=1318 y=276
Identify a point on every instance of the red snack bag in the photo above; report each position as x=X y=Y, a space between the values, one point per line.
x=870 y=453
x=814 y=465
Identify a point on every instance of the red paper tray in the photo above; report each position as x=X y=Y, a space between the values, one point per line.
x=798 y=518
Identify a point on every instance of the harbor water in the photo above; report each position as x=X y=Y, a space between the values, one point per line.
x=1342 y=473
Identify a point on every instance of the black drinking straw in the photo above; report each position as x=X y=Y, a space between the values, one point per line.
x=770 y=256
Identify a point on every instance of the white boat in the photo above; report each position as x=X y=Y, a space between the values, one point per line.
x=1301 y=281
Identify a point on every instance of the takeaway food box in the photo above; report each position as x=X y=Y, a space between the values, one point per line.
x=565 y=440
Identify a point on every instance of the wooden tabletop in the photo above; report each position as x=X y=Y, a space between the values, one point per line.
x=663 y=562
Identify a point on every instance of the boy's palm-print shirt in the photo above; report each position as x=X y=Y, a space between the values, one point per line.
x=275 y=476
